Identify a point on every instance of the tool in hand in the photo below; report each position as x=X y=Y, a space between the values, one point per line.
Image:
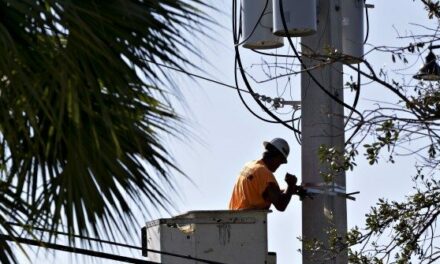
x=309 y=190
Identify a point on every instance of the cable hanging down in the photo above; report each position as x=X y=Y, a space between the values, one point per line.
x=235 y=87
x=283 y=19
x=256 y=24
x=239 y=67
x=237 y=31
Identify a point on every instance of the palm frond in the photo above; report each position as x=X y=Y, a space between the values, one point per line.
x=81 y=110
x=11 y=210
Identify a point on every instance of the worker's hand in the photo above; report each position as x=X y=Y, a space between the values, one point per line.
x=291 y=180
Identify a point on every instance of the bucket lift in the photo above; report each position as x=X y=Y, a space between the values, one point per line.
x=218 y=236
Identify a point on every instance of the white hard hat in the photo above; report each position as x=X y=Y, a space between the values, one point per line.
x=280 y=144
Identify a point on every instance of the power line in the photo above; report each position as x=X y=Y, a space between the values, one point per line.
x=356 y=98
x=235 y=69
x=273 y=54
x=224 y=85
x=244 y=78
x=336 y=99
x=256 y=24
x=367 y=23
x=77 y=236
x=196 y=76
x=255 y=95
x=116 y=244
x=75 y=250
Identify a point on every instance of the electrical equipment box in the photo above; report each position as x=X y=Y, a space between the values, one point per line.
x=299 y=15
x=352 y=30
x=220 y=236
x=257 y=25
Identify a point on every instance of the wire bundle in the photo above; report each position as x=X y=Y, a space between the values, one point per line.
x=239 y=72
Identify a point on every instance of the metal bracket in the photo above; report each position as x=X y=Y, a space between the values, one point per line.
x=295 y=104
x=328 y=189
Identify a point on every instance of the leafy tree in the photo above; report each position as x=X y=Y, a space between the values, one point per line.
x=414 y=117
x=82 y=108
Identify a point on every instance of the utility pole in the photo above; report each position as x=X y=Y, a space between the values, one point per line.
x=322 y=124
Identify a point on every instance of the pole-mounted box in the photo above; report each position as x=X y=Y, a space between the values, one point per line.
x=353 y=30
x=257 y=25
x=299 y=15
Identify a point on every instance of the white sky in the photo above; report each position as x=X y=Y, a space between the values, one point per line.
x=230 y=136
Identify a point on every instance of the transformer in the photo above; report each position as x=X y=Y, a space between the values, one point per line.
x=257 y=25
x=352 y=30
x=300 y=17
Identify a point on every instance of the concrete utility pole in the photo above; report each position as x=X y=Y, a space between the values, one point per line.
x=322 y=124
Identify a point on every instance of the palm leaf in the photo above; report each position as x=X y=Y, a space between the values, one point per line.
x=11 y=210
x=82 y=110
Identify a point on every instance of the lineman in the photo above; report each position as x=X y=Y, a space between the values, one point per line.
x=256 y=187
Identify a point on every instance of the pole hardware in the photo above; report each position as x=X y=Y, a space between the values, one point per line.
x=313 y=189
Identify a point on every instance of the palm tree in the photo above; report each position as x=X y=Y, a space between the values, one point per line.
x=82 y=109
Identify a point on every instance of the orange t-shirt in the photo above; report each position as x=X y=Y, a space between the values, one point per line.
x=251 y=183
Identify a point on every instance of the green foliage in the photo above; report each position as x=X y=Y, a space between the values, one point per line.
x=387 y=136
x=428 y=98
x=335 y=161
x=82 y=108
x=410 y=224
x=407 y=125
x=11 y=209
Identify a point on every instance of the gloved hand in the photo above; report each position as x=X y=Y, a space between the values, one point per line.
x=291 y=180
x=294 y=189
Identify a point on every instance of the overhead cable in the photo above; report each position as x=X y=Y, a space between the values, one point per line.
x=75 y=250
x=357 y=95
x=196 y=75
x=116 y=244
x=256 y=95
x=238 y=63
x=367 y=17
x=273 y=54
x=236 y=77
x=336 y=99
x=256 y=24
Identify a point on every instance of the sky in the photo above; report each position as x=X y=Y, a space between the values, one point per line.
x=226 y=135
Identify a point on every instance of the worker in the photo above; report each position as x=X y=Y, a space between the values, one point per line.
x=256 y=187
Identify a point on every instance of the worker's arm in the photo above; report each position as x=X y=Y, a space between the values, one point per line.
x=280 y=198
